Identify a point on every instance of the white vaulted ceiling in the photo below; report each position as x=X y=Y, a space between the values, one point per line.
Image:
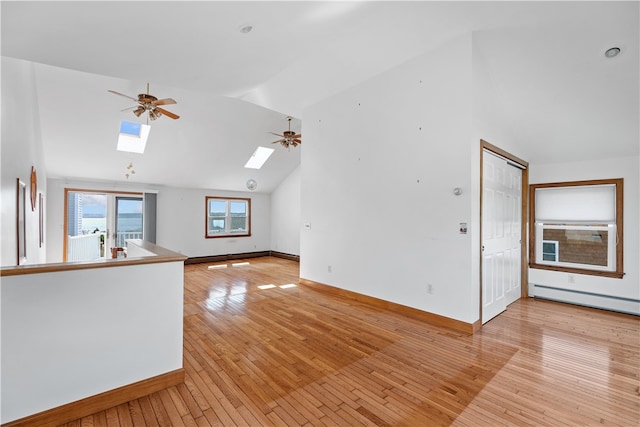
x=542 y=63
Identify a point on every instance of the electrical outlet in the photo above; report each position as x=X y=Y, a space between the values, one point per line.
x=572 y=278
x=429 y=288
x=329 y=268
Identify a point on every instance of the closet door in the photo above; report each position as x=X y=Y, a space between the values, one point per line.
x=501 y=234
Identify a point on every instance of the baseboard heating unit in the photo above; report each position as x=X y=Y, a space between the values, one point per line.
x=588 y=299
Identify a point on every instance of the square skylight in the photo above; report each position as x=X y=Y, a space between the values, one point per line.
x=133 y=137
x=258 y=157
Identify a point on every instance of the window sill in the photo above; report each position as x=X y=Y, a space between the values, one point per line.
x=217 y=236
x=612 y=274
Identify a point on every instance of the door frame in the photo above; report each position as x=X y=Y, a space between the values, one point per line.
x=116 y=210
x=524 y=212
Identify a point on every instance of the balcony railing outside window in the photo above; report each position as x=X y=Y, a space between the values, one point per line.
x=122 y=237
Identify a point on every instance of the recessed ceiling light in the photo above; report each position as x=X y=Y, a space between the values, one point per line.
x=246 y=29
x=612 y=52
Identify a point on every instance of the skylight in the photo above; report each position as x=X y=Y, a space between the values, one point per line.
x=133 y=137
x=258 y=157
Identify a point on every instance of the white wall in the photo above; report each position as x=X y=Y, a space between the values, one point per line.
x=629 y=286
x=379 y=165
x=285 y=215
x=21 y=149
x=70 y=334
x=181 y=223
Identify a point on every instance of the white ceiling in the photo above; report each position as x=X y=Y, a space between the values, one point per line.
x=541 y=63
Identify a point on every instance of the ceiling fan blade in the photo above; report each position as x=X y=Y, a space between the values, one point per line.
x=126 y=96
x=280 y=141
x=297 y=141
x=276 y=134
x=299 y=135
x=129 y=108
x=165 y=101
x=168 y=113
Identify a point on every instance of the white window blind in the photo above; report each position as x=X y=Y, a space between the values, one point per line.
x=590 y=203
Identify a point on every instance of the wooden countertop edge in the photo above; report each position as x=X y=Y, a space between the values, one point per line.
x=162 y=255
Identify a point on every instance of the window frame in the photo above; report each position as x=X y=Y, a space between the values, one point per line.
x=227 y=217
x=617 y=270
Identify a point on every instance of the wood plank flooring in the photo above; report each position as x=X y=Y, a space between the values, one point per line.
x=291 y=356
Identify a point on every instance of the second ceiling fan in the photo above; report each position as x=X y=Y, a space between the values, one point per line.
x=289 y=137
x=151 y=104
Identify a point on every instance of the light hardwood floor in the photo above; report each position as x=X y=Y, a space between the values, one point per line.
x=292 y=356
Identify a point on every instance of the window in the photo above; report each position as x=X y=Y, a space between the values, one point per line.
x=228 y=217
x=577 y=227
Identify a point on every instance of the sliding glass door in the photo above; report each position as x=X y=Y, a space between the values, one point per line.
x=128 y=219
x=97 y=221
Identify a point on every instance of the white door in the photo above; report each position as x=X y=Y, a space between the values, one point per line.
x=501 y=234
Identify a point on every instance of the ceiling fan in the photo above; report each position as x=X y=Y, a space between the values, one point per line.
x=150 y=104
x=289 y=137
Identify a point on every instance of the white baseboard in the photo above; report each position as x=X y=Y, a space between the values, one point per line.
x=588 y=299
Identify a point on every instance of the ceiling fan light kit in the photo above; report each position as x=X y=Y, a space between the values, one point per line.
x=289 y=137
x=150 y=104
